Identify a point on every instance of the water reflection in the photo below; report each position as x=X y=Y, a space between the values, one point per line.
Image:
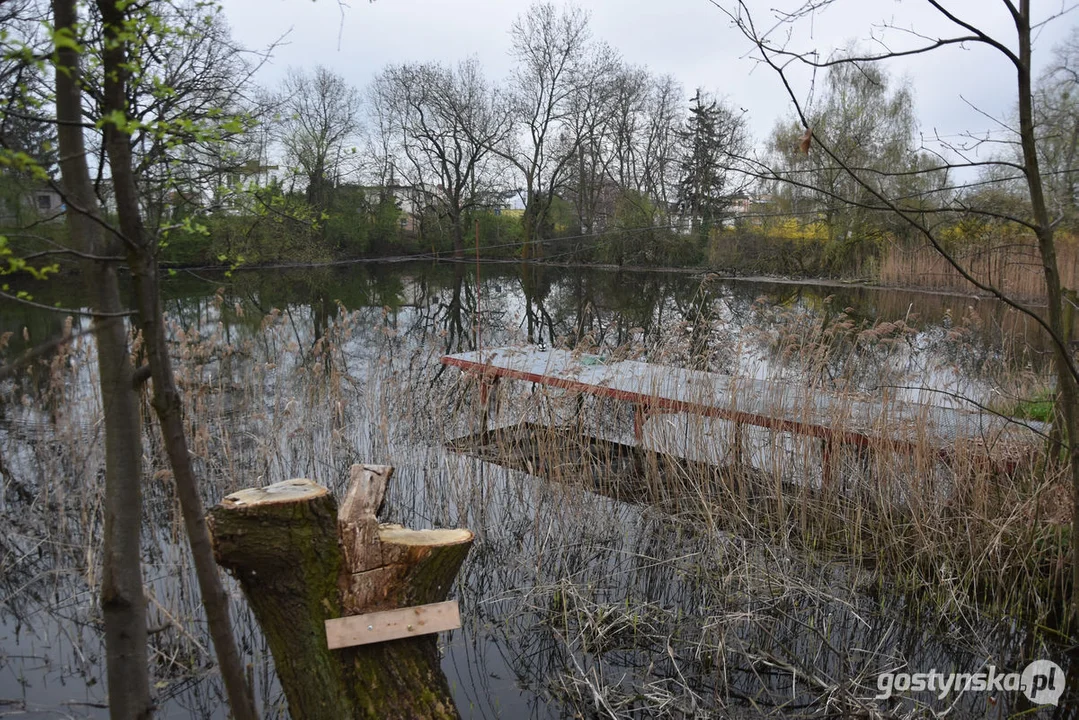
x=575 y=602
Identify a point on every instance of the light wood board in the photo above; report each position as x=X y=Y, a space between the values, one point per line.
x=392 y=624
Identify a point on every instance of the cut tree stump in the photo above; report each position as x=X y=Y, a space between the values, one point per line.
x=301 y=561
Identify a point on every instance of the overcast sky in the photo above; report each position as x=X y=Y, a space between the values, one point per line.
x=689 y=39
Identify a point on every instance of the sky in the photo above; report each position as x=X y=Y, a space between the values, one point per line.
x=958 y=89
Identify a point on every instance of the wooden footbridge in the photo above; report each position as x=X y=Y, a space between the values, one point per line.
x=882 y=422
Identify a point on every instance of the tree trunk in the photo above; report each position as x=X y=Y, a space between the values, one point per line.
x=301 y=562
x=526 y=236
x=1069 y=392
x=166 y=398
x=122 y=600
x=527 y=219
x=458 y=238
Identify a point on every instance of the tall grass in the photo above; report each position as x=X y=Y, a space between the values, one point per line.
x=1013 y=265
x=982 y=527
x=707 y=570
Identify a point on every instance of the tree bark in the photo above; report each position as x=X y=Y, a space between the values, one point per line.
x=301 y=561
x=1069 y=392
x=527 y=230
x=458 y=237
x=166 y=398
x=122 y=600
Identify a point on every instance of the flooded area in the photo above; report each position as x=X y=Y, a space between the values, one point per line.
x=700 y=571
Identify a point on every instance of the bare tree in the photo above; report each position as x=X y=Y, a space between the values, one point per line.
x=320 y=115
x=441 y=125
x=630 y=89
x=1056 y=114
x=1015 y=47
x=551 y=48
x=659 y=147
x=591 y=117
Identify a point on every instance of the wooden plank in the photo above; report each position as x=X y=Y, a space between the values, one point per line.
x=670 y=405
x=869 y=422
x=392 y=624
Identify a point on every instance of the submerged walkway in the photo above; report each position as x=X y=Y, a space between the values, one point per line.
x=850 y=419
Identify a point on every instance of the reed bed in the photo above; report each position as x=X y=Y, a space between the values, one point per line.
x=1013 y=266
x=707 y=570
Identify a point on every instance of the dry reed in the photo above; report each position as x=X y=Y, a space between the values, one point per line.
x=706 y=571
x=1013 y=266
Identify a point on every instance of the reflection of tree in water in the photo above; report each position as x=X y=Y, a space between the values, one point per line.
x=564 y=586
x=699 y=324
x=445 y=308
x=536 y=285
x=636 y=312
x=610 y=310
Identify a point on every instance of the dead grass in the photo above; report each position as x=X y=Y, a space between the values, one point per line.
x=1014 y=266
x=709 y=571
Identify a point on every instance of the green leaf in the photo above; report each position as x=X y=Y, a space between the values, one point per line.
x=64 y=39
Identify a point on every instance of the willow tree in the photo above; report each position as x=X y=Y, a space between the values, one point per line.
x=866 y=118
x=1056 y=114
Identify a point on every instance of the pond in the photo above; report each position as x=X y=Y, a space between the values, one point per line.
x=587 y=592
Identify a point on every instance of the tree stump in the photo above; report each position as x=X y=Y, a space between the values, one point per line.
x=302 y=561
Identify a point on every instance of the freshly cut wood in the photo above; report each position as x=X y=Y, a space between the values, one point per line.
x=302 y=562
x=282 y=492
x=392 y=624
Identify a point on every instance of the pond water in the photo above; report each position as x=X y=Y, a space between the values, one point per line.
x=576 y=602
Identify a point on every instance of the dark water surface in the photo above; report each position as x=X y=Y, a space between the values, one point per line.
x=574 y=603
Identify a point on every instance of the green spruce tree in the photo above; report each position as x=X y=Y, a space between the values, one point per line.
x=712 y=134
